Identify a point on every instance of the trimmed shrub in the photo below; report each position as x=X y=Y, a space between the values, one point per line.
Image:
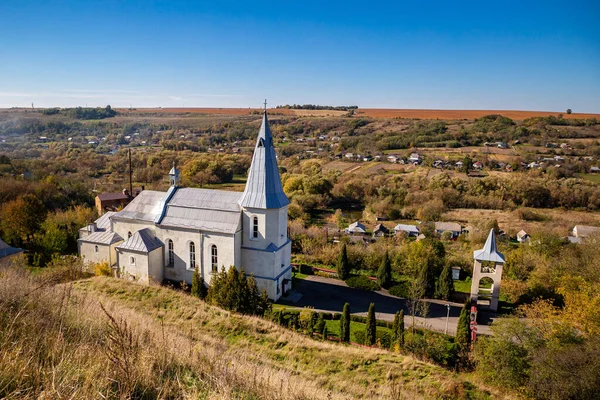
x=362 y=282
x=371 y=332
x=360 y=336
x=400 y=290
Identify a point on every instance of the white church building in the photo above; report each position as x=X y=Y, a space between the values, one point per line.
x=167 y=235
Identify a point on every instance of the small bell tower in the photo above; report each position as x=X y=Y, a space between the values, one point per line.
x=487 y=268
x=174 y=176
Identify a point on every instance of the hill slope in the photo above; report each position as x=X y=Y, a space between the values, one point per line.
x=156 y=342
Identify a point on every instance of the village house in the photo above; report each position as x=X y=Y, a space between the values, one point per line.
x=356 y=228
x=111 y=201
x=409 y=230
x=415 y=158
x=392 y=159
x=380 y=231
x=523 y=237
x=169 y=235
x=452 y=227
x=583 y=231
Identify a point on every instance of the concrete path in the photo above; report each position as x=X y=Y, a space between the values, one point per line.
x=326 y=294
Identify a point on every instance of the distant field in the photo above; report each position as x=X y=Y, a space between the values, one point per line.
x=234 y=111
x=461 y=114
x=368 y=112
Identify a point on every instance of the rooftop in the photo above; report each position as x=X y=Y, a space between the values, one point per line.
x=143 y=241
x=489 y=251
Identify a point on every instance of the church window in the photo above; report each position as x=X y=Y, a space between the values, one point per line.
x=214 y=261
x=128 y=234
x=171 y=253
x=255 y=228
x=277 y=285
x=192 y=255
x=95 y=249
x=132 y=260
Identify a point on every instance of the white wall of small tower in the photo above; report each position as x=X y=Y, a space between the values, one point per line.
x=496 y=277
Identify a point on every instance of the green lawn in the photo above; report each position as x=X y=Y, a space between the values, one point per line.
x=462 y=286
x=333 y=329
x=590 y=177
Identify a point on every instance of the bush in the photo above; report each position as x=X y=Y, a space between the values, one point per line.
x=360 y=336
x=234 y=291
x=102 y=269
x=362 y=282
x=384 y=339
x=400 y=290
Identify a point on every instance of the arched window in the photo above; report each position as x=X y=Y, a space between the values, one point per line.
x=128 y=234
x=95 y=249
x=214 y=261
x=255 y=228
x=170 y=253
x=192 y=255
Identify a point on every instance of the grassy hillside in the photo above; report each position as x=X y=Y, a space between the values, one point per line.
x=56 y=341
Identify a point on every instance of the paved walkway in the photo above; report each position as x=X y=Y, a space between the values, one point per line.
x=326 y=294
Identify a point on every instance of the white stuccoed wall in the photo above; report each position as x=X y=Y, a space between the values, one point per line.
x=105 y=253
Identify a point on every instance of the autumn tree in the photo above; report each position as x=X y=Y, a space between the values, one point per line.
x=21 y=218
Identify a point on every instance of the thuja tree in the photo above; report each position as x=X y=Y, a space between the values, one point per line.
x=345 y=324
x=198 y=288
x=398 y=329
x=463 y=335
x=343 y=265
x=384 y=274
x=234 y=291
x=371 y=334
x=444 y=285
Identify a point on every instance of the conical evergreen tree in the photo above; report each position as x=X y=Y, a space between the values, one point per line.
x=401 y=329
x=444 y=284
x=395 y=326
x=371 y=334
x=463 y=334
x=384 y=274
x=345 y=324
x=343 y=266
x=196 y=283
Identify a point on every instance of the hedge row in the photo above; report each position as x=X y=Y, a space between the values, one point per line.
x=362 y=282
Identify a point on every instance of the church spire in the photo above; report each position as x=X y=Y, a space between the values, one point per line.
x=263 y=188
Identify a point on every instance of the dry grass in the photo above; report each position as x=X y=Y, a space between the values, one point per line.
x=153 y=342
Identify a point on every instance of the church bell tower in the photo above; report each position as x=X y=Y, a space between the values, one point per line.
x=266 y=248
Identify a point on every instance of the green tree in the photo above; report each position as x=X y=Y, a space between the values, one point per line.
x=343 y=266
x=345 y=324
x=198 y=288
x=384 y=274
x=395 y=327
x=445 y=284
x=234 y=291
x=371 y=333
x=400 y=332
x=463 y=332
x=324 y=332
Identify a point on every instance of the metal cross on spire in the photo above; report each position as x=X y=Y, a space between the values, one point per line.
x=265 y=104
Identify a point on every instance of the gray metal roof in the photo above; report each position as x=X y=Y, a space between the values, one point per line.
x=406 y=228
x=7 y=250
x=356 y=227
x=102 y=237
x=103 y=223
x=489 y=251
x=206 y=198
x=263 y=188
x=142 y=240
x=144 y=207
x=202 y=219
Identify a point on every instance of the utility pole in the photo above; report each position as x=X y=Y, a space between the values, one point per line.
x=447 y=318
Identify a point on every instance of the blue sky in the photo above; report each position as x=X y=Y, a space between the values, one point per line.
x=531 y=55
